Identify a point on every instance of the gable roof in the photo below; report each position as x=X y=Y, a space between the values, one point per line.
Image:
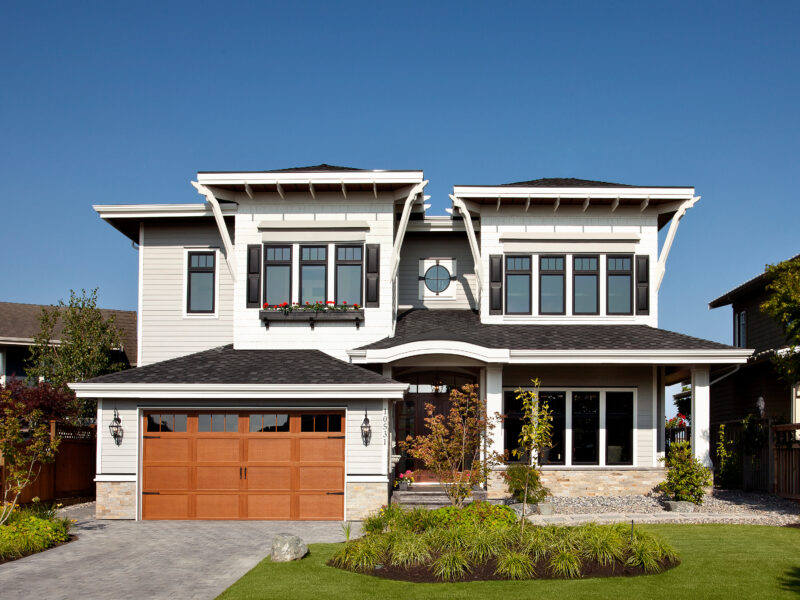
x=19 y=324
x=748 y=287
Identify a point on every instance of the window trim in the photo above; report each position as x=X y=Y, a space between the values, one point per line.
x=563 y=273
x=278 y=263
x=610 y=273
x=302 y=263
x=633 y=421
x=596 y=273
x=188 y=252
x=337 y=262
x=739 y=328
x=517 y=272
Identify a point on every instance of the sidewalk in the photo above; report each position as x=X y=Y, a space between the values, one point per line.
x=665 y=517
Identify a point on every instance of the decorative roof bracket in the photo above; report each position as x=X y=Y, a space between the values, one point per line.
x=230 y=258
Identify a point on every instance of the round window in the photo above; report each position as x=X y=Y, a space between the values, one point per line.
x=437 y=279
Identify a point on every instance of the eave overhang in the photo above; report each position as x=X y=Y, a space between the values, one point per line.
x=241 y=391
x=126 y=218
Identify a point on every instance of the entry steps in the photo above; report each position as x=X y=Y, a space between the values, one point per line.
x=428 y=496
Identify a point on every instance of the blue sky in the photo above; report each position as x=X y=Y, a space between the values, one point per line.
x=122 y=103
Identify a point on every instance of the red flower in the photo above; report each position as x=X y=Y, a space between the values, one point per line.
x=329 y=302
x=344 y=302
x=307 y=302
x=355 y=305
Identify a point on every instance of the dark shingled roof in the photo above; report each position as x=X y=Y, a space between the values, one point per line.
x=313 y=169
x=22 y=321
x=749 y=286
x=465 y=326
x=564 y=182
x=226 y=365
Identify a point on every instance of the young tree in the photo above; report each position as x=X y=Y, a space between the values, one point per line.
x=25 y=445
x=87 y=342
x=456 y=449
x=783 y=305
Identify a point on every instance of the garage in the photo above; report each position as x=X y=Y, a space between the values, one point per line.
x=255 y=464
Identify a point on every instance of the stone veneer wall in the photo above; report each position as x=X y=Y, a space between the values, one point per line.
x=590 y=482
x=364 y=499
x=116 y=500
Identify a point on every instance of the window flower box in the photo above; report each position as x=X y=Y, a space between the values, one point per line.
x=312 y=314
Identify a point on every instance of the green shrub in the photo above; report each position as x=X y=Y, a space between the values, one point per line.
x=515 y=476
x=475 y=514
x=408 y=549
x=451 y=565
x=686 y=476
x=25 y=534
x=482 y=544
x=565 y=563
x=514 y=565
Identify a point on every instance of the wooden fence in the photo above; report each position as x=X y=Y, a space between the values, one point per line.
x=754 y=471
x=787 y=460
x=71 y=474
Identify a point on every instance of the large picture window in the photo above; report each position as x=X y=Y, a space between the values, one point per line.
x=619 y=428
x=557 y=403
x=518 y=285
x=349 y=268
x=512 y=426
x=620 y=285
x=552 y=284
x=585 y=428
x=585 y=285
x=313 y=274
x=200 y=282
x=277 y=274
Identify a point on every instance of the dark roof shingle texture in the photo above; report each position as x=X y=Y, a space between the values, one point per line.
x=564 y=182
x=226 y=365
x=465 y=326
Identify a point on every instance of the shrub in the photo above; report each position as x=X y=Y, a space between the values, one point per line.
x=514 y=565
x=25 y=534
x=451 y=565
x=516 y=477
x=686 y=476
x=475 y=514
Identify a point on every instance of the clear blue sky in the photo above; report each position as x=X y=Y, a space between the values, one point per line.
x=112 y=102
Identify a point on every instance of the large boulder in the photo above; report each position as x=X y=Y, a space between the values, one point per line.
x=286 y=548
x=680 y=506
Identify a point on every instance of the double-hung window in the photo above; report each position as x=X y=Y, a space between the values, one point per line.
x=552 y=285
x=518 y=285
x=200 y=282
x=740 y=328
x=277 y=274
x=620 y=285
x=585 y=285
x=349 y=269
x=313 y=274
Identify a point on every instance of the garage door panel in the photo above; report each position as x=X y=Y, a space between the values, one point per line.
x=167 y=478
x=269 y=449
x=325 y=477
x=218 y=449
x=165 y=506
x=269 y=506
x=269 y=478
x=217 y=506
x=320 y=449
x=167 y=449
x=218 y=478
x=320 y=506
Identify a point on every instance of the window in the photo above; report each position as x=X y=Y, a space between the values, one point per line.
x=166 y=422
x=585 y=428
x=740 y=328
x=585 y=285
x=200 y=285
x=269 y=423
x=437 y=278
x=277 y=274
x=619 y=428
x=518 y=285
x=557 y=403
x=349 y=268
x=321 y=423
x=552 y=284
x=620 y=288
x=218 y=422
x=512 y=425
x=313 y=274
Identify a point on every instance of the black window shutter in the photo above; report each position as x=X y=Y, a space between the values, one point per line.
x=254 y=276
x=496 y=284
x=373 y=275
x=642 y=285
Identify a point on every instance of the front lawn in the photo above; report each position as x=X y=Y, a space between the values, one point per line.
x=717 y=561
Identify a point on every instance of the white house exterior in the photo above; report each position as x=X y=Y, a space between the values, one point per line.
x=238 y=412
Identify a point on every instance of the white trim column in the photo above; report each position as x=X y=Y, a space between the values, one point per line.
x=494 y=403
x=701 y=414
x=2 y=367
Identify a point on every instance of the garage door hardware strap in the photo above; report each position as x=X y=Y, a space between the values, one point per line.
x=335 y=493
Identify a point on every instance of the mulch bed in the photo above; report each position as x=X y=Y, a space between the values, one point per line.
x=485 y=572
x=72 y=538
x=793 y=525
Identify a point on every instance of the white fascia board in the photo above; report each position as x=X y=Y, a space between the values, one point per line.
x=149 y=211
x=333 y=177
x=114 y=477
x=670 y=357
x=384 y=355
x=572 y=192
x=232 y=391
x=570 y=236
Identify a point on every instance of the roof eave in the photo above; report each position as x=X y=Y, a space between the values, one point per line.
x=242 y=391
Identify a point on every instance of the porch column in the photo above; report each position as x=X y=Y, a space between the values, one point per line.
x=494 y=403
x=2 y=367
x=701 y=414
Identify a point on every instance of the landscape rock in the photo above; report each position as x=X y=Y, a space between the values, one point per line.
x=286 y=548
x=678 y=506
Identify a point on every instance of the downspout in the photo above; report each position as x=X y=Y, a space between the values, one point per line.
x=230 y=258
x=473 y=242
x=401 y=228
x=673 y=229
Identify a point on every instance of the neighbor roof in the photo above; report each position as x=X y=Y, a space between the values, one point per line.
x=225 y=365
x=324 y=167
x=465 y=326
x=749 y=286
x=564 y=182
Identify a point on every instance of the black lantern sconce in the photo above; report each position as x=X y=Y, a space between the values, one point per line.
x=366 y=430
x=115 y=428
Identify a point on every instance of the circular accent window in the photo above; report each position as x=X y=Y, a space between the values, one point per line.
x=437 y=279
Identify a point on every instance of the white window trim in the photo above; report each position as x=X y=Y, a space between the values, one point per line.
x=450 y=293
x=185 y=275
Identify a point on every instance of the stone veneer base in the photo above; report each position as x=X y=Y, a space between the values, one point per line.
x=364 y=499
x=116 y=500
x=590 y=482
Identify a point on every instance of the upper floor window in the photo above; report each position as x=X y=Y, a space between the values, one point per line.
x=349 y=268
x=277 y=274
x=313 y=274
x=620 y=285
x=740 y=328
x=552 y=285
x=518 y=285
x=585 y=285
x=200 y=282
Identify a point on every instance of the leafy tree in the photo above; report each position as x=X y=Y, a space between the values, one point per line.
x=52 y=402
x=87 y=342
x=783 y=305
x=456 y=449
x=25 y=445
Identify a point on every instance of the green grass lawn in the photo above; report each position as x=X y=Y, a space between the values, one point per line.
x=732 y=562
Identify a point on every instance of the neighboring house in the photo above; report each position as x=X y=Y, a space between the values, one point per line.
x=753 y=388
x=19 y=325
x=237 y=412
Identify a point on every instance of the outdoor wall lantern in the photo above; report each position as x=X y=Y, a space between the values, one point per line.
x=366 y=430
x=115 y=428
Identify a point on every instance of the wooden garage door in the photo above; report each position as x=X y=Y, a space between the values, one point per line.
x=243 y=465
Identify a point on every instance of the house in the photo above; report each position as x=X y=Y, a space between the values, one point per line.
x=243 y=412
x=19 y=325
x=753 y=388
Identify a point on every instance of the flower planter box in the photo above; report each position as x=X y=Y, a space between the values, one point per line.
x=355 y=316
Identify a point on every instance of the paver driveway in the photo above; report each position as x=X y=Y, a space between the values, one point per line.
x=151 y=559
